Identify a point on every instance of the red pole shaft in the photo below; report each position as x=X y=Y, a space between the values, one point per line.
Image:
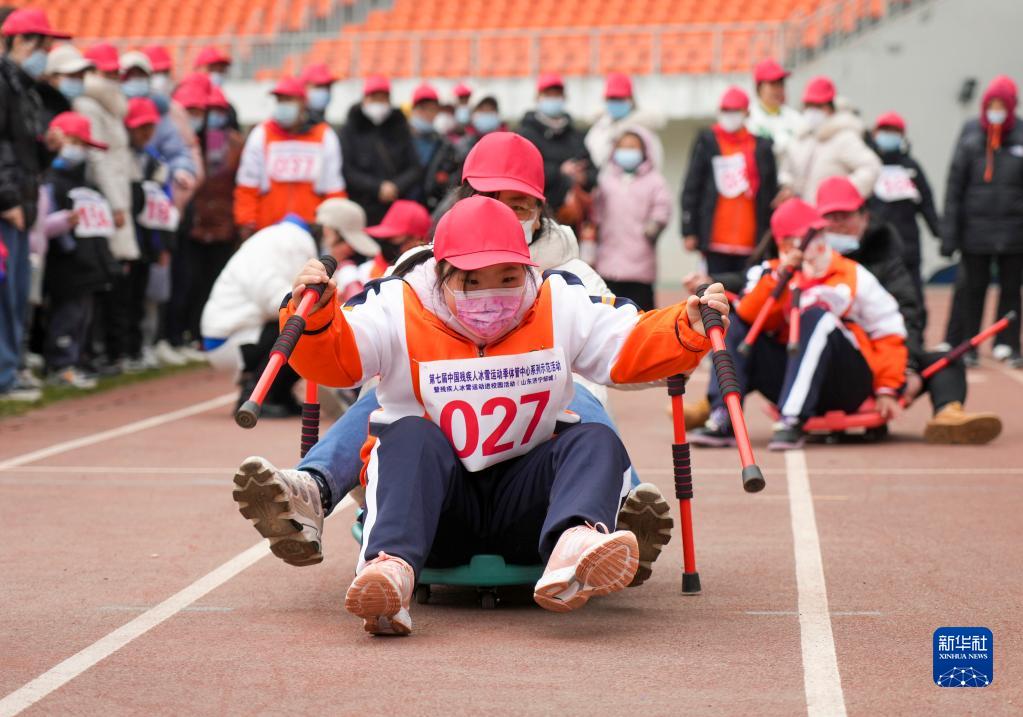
x=273 y=366
x=977 y=340
x=758 y=323
x=717 y=342
x=311 y=392
x=684 y=505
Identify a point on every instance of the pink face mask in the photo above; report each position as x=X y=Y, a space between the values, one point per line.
x=487 y=313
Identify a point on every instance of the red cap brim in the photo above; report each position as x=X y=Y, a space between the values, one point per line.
x=382 y=231
x=96 y=145
x=839 y=206
x=504 y=184
x=488 y=257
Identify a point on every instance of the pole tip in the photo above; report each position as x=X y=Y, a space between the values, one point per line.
x=248 y=414
x=744 y=349
x=691 y=583
x=752 y=479
x=1011 y=316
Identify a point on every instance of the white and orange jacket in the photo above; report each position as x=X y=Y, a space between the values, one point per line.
x=281 y=172
x=395 y=330
x=852 y=293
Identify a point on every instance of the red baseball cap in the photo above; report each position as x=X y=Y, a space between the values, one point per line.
x=505 y=161
x=795 y=218
x=159 y=58
x=549 y=81
x=376 y=83
x=289 y=87
x=478 y=232
x=617 y=87
x=216 y=98
x=819 y=91
x=891 y=119
x=104 y=56
x=78 y=126
x=30 y=21
x=838 y=194
x=141 y=111
x=211 y=55
x=424 y=93
x=734 y=100
x=194 y=91
x=769 y=71
x=403 y=218
x=462 y=90
x=317 y=74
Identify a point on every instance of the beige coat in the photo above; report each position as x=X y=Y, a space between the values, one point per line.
x=836 y=148
x=111 y=170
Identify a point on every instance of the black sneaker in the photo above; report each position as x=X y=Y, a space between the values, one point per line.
x=712 y=435
x=787 y=437
x=1015 y=360
x=971 y=359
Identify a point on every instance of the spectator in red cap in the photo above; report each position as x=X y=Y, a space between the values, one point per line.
x=569 y=173
x=436 y=153
x=902 y=193
x=729 y=186
x=289 y=165
x=831 y=145
x=485 y=118
x=213 y=62
x=463 y=107
x=983 y=216
x=27 y=36
x=380 y=161
x=75 y=220
x=769 y=116
x=620 y=111
x=318 y=80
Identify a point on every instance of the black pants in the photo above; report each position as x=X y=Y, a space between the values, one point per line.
x=67 y=331
x=123 y=308
x=194 y=269
x=718 y=263
x=913 y=266
x=424 y=507
x=636 y=291
x=254 y=360
x=947 y=385
x=977 y=271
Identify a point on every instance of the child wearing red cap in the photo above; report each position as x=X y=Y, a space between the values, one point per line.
x=77 y=221
x=851 y=336
x=769 y=116
x=474 y=353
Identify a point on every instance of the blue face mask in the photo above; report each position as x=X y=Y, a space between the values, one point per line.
x=318 y=98
x=216 y=119
x=485 y=122
x=462 y=114
x=420 y=124
x=551 y=106
x=35 y=64
x=72 y=155
x=619 y=109
x=286 y=113
x=628 y=158
x=888 y=141
x=138 y=87
x=71 y=87
x=842 y=243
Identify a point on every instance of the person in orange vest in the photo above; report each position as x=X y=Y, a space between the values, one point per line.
x=289 y=164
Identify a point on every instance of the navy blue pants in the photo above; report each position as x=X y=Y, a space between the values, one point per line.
x=424 y=507
x=828 y=373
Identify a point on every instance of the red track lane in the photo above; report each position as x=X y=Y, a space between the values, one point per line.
x=923 y=549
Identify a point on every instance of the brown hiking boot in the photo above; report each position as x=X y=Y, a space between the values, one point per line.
x=953 y=425
x=696 y=412
x=647 y=515
x=284 y=506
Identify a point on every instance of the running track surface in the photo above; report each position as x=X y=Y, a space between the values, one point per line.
x=131 y=585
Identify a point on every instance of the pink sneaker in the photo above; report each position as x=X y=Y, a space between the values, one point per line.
x=380 y=595
x=587 y=561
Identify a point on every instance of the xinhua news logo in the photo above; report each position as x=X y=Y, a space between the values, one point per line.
x=964 y=657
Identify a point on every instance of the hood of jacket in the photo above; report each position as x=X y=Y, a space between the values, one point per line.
x=652 y=156
x=1004 y=89
x=107 y=93
x=841 y=121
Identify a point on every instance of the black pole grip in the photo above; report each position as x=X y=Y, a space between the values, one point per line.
x=711 y=317
x=248 y=414
x=677 y=385
x=330 y=264
x=752 y=479
x=290 y=335
x=784 y=277
x=683 y=470
x=310 y=427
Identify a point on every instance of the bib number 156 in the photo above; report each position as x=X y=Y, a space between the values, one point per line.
x=501 y=406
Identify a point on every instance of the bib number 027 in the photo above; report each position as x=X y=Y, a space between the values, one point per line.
x=502 y=406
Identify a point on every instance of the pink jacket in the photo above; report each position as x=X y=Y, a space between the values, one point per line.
x=630 y=210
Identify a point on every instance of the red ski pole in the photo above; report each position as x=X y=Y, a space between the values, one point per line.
x=965 y=346
x=785 y=276
x=752 y=477
x=248 y=413
x=683 y=471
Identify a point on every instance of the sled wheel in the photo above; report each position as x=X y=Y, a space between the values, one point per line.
x=877 y=434
x=422 y=594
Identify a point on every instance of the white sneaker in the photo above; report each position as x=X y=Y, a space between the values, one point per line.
x=167 y=356
x=132 y=365
x=71 y=376
x=942 y=348
x=191 y=354
x=1001 y=352
x=22 y=394
x=381 y=594
x=29 y=379
x=149 y=359
x=587 y=562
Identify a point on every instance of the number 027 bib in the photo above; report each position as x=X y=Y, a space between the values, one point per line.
x=496 y=407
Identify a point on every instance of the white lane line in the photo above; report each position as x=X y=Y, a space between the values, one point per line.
x=127 y=470
x=821 y=680
x=125 y=430
x=916 y=471
x=793 y=613
x=69 y=669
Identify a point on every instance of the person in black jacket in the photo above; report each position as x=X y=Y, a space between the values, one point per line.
x=902 y=193
x=436 y=153
x=984 y=212
x=380 y=162
x=569 y=174
x=730 y=184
